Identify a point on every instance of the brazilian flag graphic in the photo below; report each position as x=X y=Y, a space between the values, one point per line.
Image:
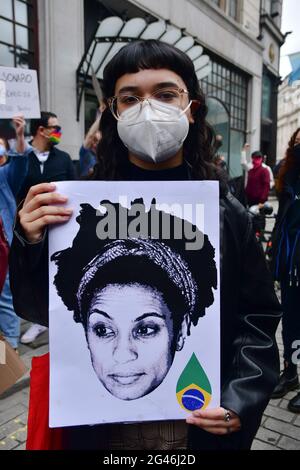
x=193 y=387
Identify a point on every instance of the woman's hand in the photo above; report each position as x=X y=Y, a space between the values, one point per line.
x=42 y=207
x=216 y=421
x=19 y=125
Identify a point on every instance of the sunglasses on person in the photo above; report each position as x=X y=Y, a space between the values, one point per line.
x=55 y=128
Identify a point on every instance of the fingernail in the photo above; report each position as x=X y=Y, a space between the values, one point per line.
x=53 y=185
x=69 y=211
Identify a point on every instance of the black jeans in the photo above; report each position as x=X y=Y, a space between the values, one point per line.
x=290 y=298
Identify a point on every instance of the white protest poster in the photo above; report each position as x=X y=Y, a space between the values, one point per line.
x=19 y=93
x=134 y=311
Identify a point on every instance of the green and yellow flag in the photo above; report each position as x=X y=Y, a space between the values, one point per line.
x=193 y=387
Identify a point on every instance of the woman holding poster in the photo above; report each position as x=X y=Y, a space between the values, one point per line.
x=154 y=128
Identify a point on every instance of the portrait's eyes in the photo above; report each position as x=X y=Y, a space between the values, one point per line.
x=102 y=331
x=146 y=331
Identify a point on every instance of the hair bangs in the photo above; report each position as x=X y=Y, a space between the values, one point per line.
x=146 y=55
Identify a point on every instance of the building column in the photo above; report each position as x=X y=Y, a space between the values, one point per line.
x=254 y=115
x=61 y=47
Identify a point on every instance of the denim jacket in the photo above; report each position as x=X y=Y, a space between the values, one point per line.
x=12 y=176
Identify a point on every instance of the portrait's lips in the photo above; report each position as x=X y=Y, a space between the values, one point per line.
x=126 y=379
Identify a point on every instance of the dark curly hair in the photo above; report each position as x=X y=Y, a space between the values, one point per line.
x=112 y=155
x=289 y=164
x=185 y=278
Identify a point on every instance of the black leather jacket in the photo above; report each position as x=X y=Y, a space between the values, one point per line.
x=250 y=313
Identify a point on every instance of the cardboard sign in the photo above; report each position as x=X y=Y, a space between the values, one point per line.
x=12 y=368
x=19 y=93
x=134 y=302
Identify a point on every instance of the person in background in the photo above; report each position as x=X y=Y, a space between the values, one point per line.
x=272 y=181
x=286 y=267
x=258 y=182
x=276 y=171
x=246 y=166
x=217 y=144
x=46 y=164
x=12 y=175
x=87 y=153
x=4 y=250
x=220 y=163
x=218 y=158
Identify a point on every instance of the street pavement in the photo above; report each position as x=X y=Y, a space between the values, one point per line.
x=280 y=429
x=14 y=402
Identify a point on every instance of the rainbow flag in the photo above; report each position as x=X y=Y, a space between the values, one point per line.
x=55 y=137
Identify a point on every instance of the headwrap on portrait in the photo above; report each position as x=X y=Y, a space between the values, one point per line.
x=185 y=277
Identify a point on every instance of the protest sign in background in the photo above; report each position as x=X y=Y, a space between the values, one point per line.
x=19 y=93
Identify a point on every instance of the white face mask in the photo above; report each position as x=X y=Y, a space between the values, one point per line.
x=156 y=133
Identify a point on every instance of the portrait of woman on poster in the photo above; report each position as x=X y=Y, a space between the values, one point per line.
x=137 y=299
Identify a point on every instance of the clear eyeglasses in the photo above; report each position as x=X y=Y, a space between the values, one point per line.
x=125 y=102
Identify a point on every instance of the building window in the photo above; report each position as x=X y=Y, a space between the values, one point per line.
x=266 y=6
x=230 y=86
x=18 y=33
x=233 y=9
x=275 y=8
x=230 y=7
x=266 y=97
x=271 y=8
